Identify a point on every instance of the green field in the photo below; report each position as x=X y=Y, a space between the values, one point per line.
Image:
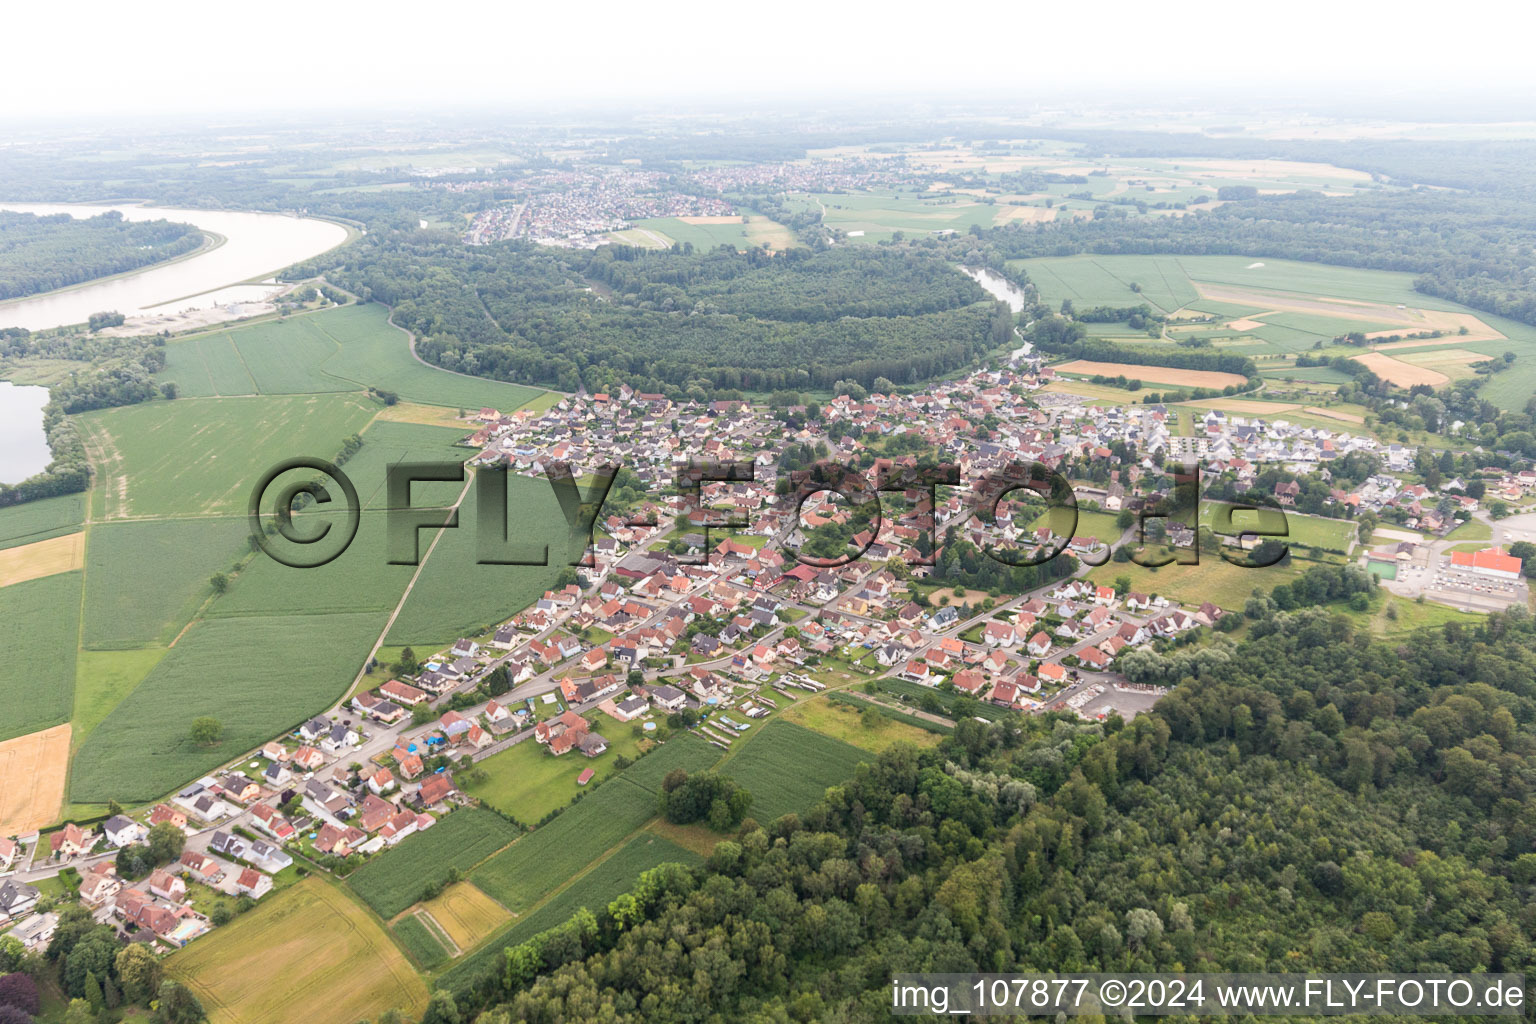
x=540 y=862
x=387 y=443
x=736 y=234
x=396 y=878
x=593 y=890
x=202 y=456
x=260 y=676
x=275 y=357
x=39 y=624
x=1167 y=283
x=144 y=580
x=843 y=721
x=419 y=942
x=787 y=768
x=102 y=680
x=1303 y=531
x=878 y=215
x=348 y=348
x=372 y=353
x=685 y=751
x=40 y=520
x=455 y=596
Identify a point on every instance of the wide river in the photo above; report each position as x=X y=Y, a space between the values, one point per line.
x=256 y=245
x=23 y=446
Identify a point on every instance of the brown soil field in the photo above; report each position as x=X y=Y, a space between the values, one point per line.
x=33 y=770
x=43 y=558
x=723 y=219
x=1395 y=371
x=1154 y=374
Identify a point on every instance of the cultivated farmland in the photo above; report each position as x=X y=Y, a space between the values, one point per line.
x=1212 y=379
x=260 y=675
x=466 y=913
x=39 y=520
x=787 y=768
x=42 y=558
x=33 y=770
x=144 y=580
x=202 y=456
x=593 y=890
x=418 y=940
x=332 y=959
x=456 y=596
x=541 y=861
x=396 y=878
x=39 y=623
x=685 y=751
x=373 y=353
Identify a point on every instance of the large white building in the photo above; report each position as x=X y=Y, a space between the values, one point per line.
x=1488 y=562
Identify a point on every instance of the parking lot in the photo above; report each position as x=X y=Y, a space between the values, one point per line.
x=1472 y=591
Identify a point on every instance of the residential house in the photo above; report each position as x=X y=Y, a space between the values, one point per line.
x=123 y=831
x=16 y=898
x=167 y=886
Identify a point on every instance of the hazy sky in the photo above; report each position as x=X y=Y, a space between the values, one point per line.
x=181 y=57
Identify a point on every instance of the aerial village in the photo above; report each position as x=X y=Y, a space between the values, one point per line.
x=679 y=622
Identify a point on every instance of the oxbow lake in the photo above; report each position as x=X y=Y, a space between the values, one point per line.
x=23 y=446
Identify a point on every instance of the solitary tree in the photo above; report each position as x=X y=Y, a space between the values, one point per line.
x=207 y=730
x=219 y=581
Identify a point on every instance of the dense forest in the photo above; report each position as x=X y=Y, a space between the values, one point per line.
x=678 y=321
x=1309 y=799
x=38 y=254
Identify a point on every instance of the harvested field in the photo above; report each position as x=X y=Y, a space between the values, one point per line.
x=466 y=914
x=725 y=219
x=1026 y=214
x=33 y=770
x=333 y=960
x=1395 y=371
x=1333 y=414
x=1154 y=374
x=42 y=558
